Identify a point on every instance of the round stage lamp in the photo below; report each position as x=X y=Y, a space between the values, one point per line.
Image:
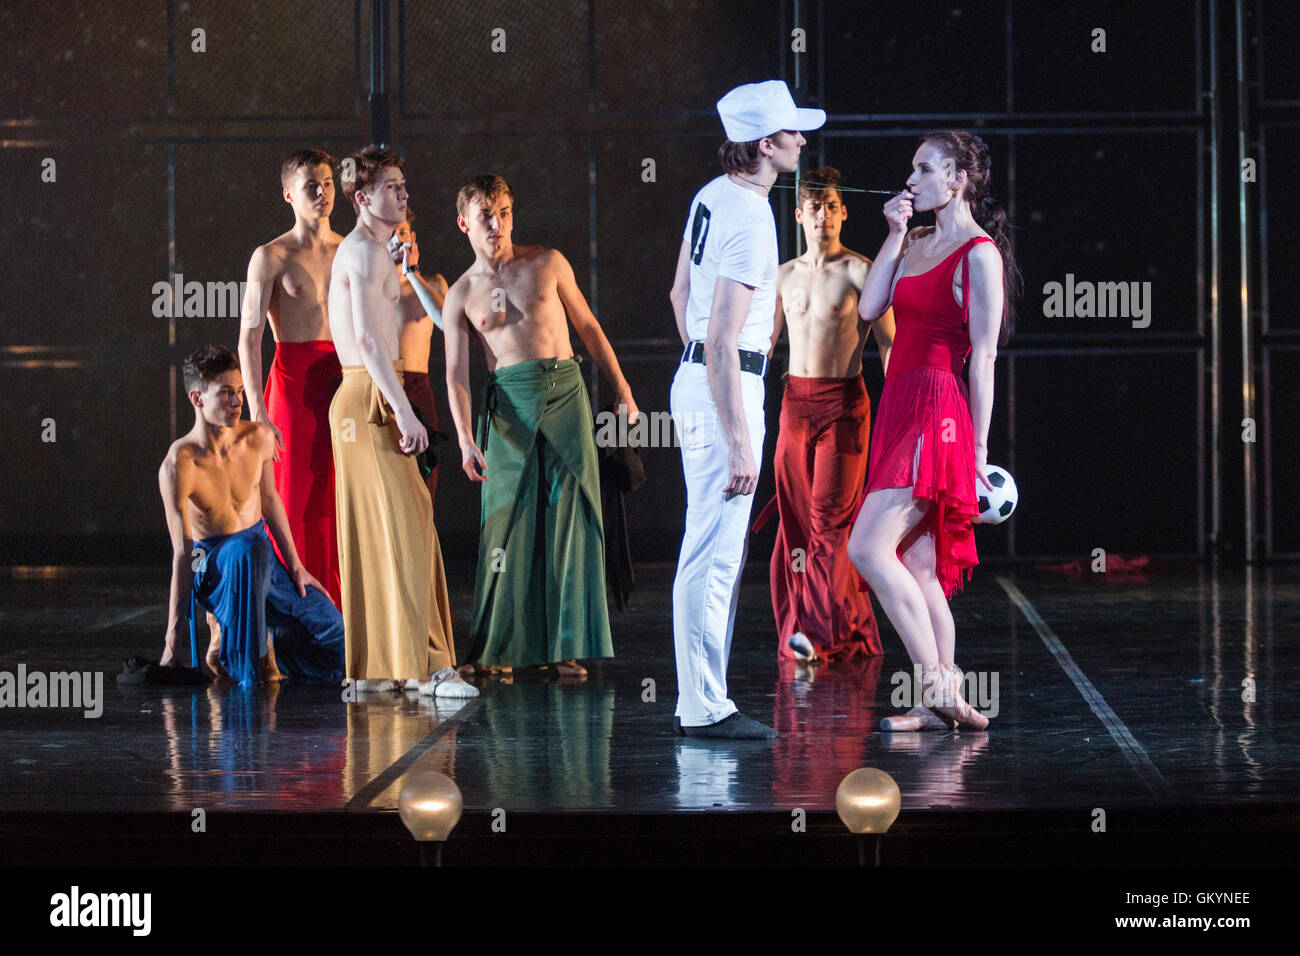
x=430 y=805
x=867 y=801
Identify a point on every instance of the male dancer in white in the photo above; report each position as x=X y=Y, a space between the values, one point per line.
x=724 y=296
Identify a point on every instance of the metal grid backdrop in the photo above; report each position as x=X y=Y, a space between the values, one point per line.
x=167 y=163
x=585 y=92
x=1271 y=132
x=581 y=96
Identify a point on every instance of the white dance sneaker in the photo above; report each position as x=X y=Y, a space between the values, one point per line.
x=445 y=683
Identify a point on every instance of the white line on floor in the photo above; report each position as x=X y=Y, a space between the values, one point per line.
x=1133 y=750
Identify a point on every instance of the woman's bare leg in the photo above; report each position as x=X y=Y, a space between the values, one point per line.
x=887 y=516
x=919 y=559
x=941 y=688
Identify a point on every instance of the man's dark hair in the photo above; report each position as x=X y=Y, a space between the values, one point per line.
x=813 y=184
x=309 y=158
x=739 y=158
x=481 y=189
x=203 y=366
x=367 y=164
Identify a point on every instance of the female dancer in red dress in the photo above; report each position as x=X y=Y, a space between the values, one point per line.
x=949 y=286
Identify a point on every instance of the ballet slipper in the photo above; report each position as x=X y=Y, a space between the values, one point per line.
x=941 y=692
x=918 y=718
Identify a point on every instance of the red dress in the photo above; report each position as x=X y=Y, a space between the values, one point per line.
x=923 y=435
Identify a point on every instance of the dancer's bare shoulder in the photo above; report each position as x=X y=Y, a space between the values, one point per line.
x=267 y=261
x=855 y=266
x=181 y=457
x=785 y=270
x=915 y=235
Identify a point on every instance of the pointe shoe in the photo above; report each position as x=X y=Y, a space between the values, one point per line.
x=570 y=669
x=918 y=718
x=941 y=692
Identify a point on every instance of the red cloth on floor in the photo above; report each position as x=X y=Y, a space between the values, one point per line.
x=924 y=438
x=821 y=461
x=299 y=389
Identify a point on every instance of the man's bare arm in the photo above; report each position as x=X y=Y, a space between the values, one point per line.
x=457 y=332
x=681 y=290
x=589 y=330
x=262 y=273
x=432 y=295
x=174 y=485
x=731 y=301
x=882 y=329
x=367 y=267
x=778 y=320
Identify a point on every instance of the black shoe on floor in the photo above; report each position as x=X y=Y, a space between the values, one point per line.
x=735 y=727
x=677 y=726
x=143 y=671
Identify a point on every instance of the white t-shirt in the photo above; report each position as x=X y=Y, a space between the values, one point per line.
x=732 y=234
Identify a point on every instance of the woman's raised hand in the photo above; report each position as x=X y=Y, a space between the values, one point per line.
x=898 y=210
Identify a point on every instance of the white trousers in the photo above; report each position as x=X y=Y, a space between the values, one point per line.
x=707 y=585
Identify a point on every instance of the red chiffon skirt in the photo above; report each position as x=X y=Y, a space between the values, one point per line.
x=923 y=438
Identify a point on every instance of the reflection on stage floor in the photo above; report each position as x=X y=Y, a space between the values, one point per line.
x=1178 y=690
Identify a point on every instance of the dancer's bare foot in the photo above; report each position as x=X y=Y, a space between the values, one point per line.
x=270 y=672
x=469 y=670
x=214 y=670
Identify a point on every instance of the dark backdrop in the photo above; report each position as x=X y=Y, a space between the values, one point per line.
x=166 y=161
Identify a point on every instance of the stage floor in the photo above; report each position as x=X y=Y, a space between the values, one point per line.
x=1108 y=694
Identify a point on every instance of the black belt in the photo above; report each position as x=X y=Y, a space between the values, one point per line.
x=755 y=362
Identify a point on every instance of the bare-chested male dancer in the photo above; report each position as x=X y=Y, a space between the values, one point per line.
x=395 y=600
x=220 y=501
x=419 y=311
x=288 y=282
x=821 y=450
x=540 y=590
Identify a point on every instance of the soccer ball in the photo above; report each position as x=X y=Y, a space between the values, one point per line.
x=996 y=505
